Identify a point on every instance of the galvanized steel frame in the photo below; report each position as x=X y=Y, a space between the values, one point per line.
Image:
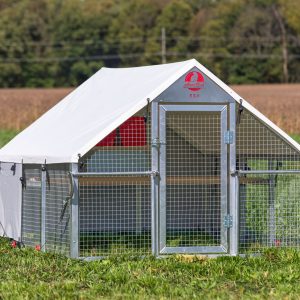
x=43 y=206
x=241 y=172
x=74 y=242
x=233 y=185
x=230 y=183
x=75 y=210
x=22 y=182
x=163 y=108
x=91 y=174
x=229 y=196
x=155 y=180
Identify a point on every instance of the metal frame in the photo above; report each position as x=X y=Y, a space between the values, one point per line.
x=155 y=180
x=90 y=174
x=163 y=249
x=233 y=185
x=22 y=179
x=43 y=207
x=240 y=172
x=74 y=247
x=138 y=210
x=229 y=199
x=107 y=182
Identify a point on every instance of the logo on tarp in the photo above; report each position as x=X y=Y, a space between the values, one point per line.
x=194 y=81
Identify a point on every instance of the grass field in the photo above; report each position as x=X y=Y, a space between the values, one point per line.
x=28 y=274
x=6 y=135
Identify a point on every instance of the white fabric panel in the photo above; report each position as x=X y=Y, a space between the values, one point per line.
x=90 y=112
x=10 y=200
x=97 y=107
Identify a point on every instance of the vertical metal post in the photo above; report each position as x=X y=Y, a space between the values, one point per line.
x=154 y=180
x=233 y=193
x=22 y=180
x=43 y=207
x=224 y=179
x=272 y=223
x=162 y=214
x=74 y=247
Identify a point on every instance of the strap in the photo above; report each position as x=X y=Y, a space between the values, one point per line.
x=118 y=139
x=146 y=115
x=240 y=111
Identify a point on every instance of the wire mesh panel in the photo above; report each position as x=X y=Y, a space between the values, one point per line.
x=193 y=179
x=126 y=149
x=31 y=206
x=257 y=145
x=270 y=211
x=57 y=223
x=115 y=215
x=115 y=210
x=269 y=202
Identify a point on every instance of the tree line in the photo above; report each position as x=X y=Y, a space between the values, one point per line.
x=52 y=43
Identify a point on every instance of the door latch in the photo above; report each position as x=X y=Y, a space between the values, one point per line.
x=228 y=221
x=228 y=137
x=157 y=142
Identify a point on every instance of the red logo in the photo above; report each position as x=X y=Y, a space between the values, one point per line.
x=194 y=81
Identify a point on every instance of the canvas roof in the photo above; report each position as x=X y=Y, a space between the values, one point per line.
x=97 y=107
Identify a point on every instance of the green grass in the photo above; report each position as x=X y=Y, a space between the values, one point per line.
x=6 y=135
x=28 y=274
x=296 y=137
x=98 y=244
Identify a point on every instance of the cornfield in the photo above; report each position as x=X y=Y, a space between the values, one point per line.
x=279 y=102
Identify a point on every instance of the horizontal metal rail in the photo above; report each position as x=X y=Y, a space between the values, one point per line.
x=145 y=173
x=242 y=172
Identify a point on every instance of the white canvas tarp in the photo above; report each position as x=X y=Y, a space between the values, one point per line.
x=10 y=200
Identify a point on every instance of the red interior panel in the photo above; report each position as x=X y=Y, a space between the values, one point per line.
x=131 y=133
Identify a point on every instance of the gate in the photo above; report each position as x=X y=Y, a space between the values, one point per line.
x=193 y=179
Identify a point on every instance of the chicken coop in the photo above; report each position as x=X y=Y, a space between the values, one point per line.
x=151 y=160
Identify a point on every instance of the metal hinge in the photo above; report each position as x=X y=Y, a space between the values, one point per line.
x=228 y=221
x=228 y=137
x=157 y=142
x=155 y=173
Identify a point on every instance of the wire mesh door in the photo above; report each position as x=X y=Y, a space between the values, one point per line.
x=193 y=185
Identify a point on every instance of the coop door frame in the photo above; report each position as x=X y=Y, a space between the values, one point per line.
x=162 y=213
